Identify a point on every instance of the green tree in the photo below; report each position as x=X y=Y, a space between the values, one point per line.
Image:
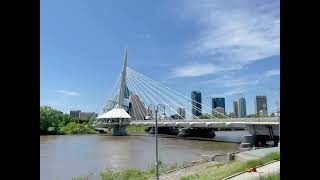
x=54 y=122
x=205 y=116
x=49 y=120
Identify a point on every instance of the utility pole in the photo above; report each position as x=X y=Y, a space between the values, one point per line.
x=156 y=110
x=156 y=134
x=277 y=106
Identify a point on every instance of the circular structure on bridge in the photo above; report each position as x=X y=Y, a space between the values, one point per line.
x=115 y=114
x=117 y=119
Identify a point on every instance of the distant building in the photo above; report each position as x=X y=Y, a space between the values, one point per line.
x=87 y=115
x=218 y=102
x=242 y=109
x=219 y=110
x=75 y=113
x=196 y=103
x=176 y=116
x=236 y=108
x=137 y=110
x=232 y=114
x=173 y=116
x=181 y=112
x=260 y=105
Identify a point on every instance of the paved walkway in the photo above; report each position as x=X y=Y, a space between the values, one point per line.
x=186 y=171
x=261 y=171
x=247 y=155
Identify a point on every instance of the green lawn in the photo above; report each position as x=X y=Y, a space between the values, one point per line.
x=223 y=171
x=217 y=171
x=136 y=129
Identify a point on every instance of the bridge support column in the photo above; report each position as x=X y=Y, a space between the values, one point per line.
x=197 y=132
x=165 y=130
x=258 y=140
x=152 y=130
x=119 y=130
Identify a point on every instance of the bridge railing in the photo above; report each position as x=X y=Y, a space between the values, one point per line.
x=262 y=119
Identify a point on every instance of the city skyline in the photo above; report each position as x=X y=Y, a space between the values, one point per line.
x=239 y=108
x=220 y=54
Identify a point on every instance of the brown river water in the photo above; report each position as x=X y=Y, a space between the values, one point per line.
x=64 y=157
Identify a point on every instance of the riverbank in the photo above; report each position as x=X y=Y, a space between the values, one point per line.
x=196 y=170
x=235 y=169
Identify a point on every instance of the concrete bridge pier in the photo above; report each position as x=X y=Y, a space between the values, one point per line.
x=119 y=130
x=165 y=130
x=258 y=140
x=197 y=132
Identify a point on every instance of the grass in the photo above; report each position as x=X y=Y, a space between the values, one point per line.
x=136 y=129
x=274 y=176
x=220 y=172
x=135 y=174
x=217 y=171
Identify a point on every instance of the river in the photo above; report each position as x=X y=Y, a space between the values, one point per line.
x=64 y=157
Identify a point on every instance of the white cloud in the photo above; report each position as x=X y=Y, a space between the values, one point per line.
x=273 y=72
x=232 y=82
x=67 y=93
x=235 y=32
x=195 y=70
x=229 y=93
x=198 y=69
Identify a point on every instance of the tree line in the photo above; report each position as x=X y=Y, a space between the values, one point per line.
x=54 y=122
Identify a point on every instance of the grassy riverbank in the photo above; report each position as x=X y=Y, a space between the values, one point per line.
x=136 y=129
x=275 y=176
x=132 y=173
x=214 y=171
x=221 y=171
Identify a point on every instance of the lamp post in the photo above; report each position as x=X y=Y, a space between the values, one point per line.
x=156 y=135
x=278 y=109
x=277 y=93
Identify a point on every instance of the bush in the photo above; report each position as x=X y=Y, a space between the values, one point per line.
x=129 y=174
x=55 y=122
x=76 y=128
x=136 y=129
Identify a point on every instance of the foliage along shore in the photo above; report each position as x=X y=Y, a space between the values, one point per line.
x=217 y=171
x=54 y=122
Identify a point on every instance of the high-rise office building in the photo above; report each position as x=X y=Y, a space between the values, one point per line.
x=235 y=108
x=231 y=114
x=260 y=105
x=219 y=110
x=181 y=112
x=218 y=102
x=196 y=103
x=242 y=109
x=75 y=113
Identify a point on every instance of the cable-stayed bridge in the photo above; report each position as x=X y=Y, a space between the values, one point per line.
x=136 y=97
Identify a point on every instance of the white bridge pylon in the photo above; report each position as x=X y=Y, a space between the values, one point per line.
x=135 y=93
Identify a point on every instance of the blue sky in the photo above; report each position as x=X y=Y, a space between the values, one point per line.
x=221 y=48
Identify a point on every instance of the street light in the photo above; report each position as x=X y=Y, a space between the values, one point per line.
x=156 y=134
x=277 y=93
